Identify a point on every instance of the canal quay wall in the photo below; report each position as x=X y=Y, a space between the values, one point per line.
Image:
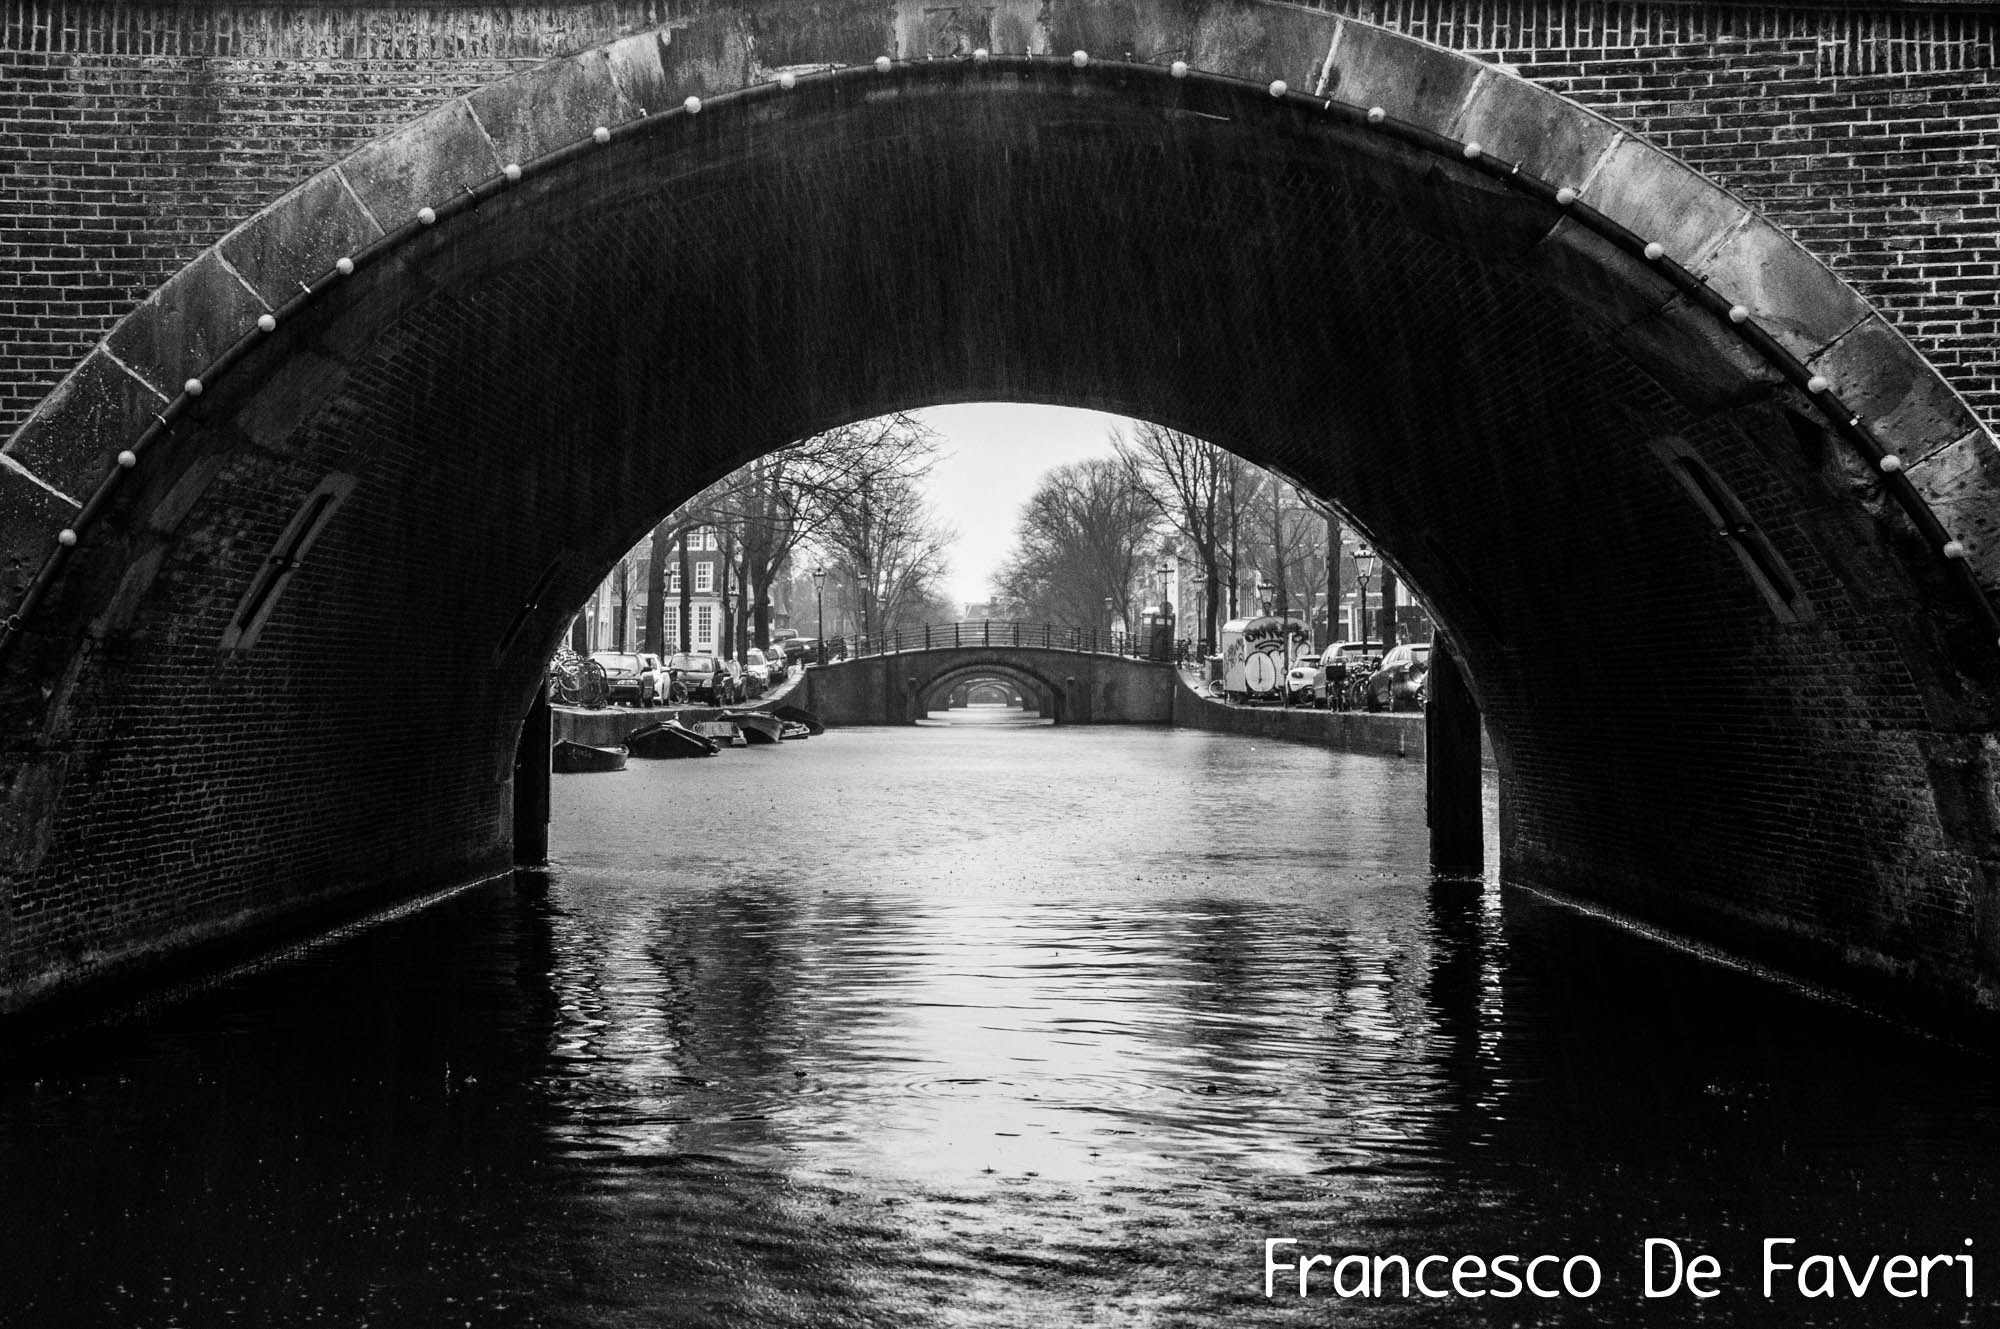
x=1383 y=733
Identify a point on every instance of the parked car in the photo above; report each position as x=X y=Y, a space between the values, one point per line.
x=1343 y=667
x=801 y=651
x=633 y=676
x=756 y=673
x=775 y=660
x=704 y=678
x=1399 y=684
x=1301 y=679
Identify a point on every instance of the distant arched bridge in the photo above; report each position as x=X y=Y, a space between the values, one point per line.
x=1071 y=676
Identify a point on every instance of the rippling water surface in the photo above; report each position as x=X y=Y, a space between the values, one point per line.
x=981 y=1025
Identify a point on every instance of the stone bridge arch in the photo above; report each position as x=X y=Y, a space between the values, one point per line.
x=1042 y=694
x=284 y=554
x=1079 y=687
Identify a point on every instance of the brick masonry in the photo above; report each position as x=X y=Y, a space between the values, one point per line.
x=513 y=398
x=133 y=136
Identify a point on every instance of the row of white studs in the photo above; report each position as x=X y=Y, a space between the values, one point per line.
x=1818 y=384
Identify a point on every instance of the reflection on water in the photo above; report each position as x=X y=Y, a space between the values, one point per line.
x=978 y=1025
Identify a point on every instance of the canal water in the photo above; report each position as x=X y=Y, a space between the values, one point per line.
x=987 y=1024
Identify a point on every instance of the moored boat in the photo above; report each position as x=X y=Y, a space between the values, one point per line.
x=575 y=758
x=722 y=732
x=795 y=730
x=757 y=726
x=668 y=739
x=800 y=715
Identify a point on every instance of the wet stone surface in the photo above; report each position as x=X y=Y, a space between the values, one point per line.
x=980 y=1025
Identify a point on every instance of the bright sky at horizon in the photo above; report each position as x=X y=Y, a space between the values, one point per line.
x=992 y=455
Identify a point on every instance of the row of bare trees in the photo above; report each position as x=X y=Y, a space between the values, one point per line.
x=1094 y=531
x=848 y=501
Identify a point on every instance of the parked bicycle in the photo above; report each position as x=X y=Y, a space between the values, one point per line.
x=576 y=681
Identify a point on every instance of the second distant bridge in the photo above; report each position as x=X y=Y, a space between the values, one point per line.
x=1070 y=676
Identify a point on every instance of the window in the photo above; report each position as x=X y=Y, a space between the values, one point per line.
x=674 y=581
x=704 y=578
x=704 y=627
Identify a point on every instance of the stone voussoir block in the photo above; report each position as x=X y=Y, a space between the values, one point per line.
x=1284 y=44
x=1786 y=291
x=75 y=436
x=1553 y=140
x=1410 y=80
x=555 y=104
x=187 y=324
x=31 y=517
x=1660 y=199
x=424 y=164
x=1958 y=481
x=299 y=238
x=1873 y=371
x=708 y=57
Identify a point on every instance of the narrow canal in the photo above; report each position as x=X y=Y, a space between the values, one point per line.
x=988 y=1025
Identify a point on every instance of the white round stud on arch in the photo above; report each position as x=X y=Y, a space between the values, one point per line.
x=1953 y=549
x=981 y=56
x=428 y=216
x=128 y=459
x=1565 y=196
x=1278 y=88
x=1079 y=58
x=192 y=387
x=1472 y=152
x=1890 y=463
x=1655 y=251
x=882 y=63
x=788 y=80
x=1818 y=383
x=267 y=323
x=692 y=106
x=344 y=266
x=1739 y=313
x=512 y=170
x=1376 y=115
x=1179 y=69
x=602 y=134
x=66 y=537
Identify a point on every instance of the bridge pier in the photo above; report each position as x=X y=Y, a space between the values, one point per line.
x=531 y=782
x=1452 y=782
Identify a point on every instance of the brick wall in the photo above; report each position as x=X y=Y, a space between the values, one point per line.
x=132 y=136
x=521 y=392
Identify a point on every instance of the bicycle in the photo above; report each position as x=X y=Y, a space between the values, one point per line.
x=576 y=681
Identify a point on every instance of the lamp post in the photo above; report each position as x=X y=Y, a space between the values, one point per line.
x=819 y=593
x=1200 y=580
x=1110 y=608
x=1364 y=571
x=1264 y=594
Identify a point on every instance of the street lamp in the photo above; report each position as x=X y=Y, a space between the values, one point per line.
x=1364 y=571
x=1200 y=580
x=819 y=592
x=1264 y=589
x=1110 y=608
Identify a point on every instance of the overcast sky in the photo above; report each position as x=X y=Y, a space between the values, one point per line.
x=993 y=454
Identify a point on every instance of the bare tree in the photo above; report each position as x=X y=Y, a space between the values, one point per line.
x=1080 y=540
x=888 y=548
x=1203 y=493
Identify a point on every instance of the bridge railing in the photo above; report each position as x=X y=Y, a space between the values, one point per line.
x=1006 y=633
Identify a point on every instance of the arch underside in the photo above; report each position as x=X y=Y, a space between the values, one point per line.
x=1031 y=684
x=1502 y=404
